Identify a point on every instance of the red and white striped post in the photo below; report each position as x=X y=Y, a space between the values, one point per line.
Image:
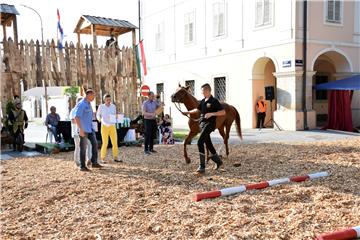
x=261 y=185
x=346 y=234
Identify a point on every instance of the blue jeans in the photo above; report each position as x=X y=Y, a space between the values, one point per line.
x=53 y=130
x=83 y=146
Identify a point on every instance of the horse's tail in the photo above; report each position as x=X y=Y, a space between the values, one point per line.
x=238 y=123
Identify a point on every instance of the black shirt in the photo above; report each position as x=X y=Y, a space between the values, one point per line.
x=211 y=105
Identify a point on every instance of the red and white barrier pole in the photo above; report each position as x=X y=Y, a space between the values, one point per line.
x=242 y=188
x=346 y=234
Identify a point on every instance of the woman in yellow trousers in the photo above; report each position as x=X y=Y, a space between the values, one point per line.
x=106 y=114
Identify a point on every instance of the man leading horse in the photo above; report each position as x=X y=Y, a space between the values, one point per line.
x=210 y=108
x=218 y=121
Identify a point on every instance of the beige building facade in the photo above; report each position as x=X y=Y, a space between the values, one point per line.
x=240 y=47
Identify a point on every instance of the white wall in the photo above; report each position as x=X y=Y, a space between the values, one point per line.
x=60 y=102
x=234 y=54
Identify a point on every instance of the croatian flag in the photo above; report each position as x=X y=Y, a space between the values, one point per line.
x=60 y=30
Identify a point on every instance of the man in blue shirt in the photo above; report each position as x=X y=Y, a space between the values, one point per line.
x=83 y=119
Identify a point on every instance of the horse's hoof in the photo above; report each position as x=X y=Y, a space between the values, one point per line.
x=187 y=160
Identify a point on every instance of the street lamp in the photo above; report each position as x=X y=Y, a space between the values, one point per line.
x=42 y=31
x=42 y=42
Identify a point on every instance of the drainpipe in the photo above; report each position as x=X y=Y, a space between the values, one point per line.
x=304 y=65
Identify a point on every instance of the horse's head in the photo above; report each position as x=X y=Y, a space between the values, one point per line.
x=180 y=94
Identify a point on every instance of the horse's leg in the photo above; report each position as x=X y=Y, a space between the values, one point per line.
x=225 y=137
x=187 y=139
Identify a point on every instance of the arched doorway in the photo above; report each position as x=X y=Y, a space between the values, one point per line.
x=262 y=76
x=329 y=66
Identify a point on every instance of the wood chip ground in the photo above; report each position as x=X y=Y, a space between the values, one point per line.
x=150 y=197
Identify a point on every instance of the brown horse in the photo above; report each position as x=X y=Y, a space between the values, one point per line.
x=182 y=95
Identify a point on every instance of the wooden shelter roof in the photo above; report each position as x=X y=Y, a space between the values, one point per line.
x=103 y=26
x=7 y=13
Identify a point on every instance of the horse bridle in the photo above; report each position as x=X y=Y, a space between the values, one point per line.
x=178 y=107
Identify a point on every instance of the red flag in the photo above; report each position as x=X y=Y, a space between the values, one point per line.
x=143 y=60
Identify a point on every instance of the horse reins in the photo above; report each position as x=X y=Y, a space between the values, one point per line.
x=179 y=108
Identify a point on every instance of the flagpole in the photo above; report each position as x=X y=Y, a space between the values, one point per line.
x=137 y=46
x=139 y=15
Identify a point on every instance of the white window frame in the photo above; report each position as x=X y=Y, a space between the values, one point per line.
x=216 y=11
x=262 y=23
x=159 y=37
x=226 y=84
x=330 y=21
x=194 y=84
x=189 y=18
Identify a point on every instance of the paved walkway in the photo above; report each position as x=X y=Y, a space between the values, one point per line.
x=268 y=135
x=10 y=154
x=37 y=133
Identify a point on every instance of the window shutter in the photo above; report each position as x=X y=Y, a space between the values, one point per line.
x=215 y=19
x=191 y=32
x=221 y=26
x=161 y=36
x=337 y=6
x=258 y=12
x=330 y=10
x=186 y=33
x=159 y=41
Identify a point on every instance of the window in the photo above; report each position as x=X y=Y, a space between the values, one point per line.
x=263 y=12
x=159 y=89
x=333 y=11
x=191 y=84
x=159 y=37
x=218 y=19
x=189 y=27
x=220 y=88
x=321 y=94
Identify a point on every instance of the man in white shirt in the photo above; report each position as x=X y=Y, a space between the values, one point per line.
x=106 y=114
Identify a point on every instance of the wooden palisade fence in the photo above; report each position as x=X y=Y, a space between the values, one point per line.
x=106 y=70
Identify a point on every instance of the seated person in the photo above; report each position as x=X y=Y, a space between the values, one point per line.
x=111 y=42
x=52 y=121
x=166 y=130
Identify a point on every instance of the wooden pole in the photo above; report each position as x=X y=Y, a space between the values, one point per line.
x=78 y=38
x=134 y=72
x=93 y=32
x=4 y=31
x=15 y=30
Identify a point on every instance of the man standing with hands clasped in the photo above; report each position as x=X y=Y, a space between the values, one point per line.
x=106 y=113
x=210 y=108
x=83 y=118
x=149 y=111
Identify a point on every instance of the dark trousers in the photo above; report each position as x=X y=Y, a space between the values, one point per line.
x=18 y=140
x=150 y=133
x=260 y=120
x=94 y=148
x=206 y=129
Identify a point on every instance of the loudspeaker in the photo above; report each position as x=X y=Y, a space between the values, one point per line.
x=269 y=93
